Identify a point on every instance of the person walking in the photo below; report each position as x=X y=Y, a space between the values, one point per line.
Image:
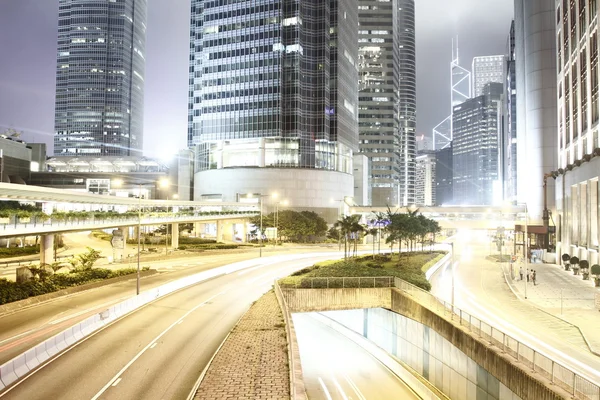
x=528 y=274
x=521 y=272
x=534 y=277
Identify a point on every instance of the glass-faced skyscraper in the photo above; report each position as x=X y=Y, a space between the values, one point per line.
x=387 y=98
x=273 y=86
x=100 y=77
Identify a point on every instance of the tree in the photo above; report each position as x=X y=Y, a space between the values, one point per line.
x=87 y=260
x=346 y=225
x=373 y=232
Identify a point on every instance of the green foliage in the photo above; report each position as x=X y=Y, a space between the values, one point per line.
x=13 y=291
x=6 y=252
x=102 y=235
x=595 y=270
x=409 y=268
x=293 y=226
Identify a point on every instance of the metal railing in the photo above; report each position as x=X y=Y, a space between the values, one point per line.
x=91 y=222
x=578 y=386
x=341 y=282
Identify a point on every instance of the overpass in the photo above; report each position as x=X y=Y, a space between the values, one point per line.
x=457 y=217
x=130 y=212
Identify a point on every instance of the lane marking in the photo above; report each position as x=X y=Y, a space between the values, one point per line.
x=325 y=389
x=16 y=336
x=339 y=388
x=138 y=355
x=358 y=392
x=153 y=345
x=179 y=323
x=116 y=382
x=95 y=308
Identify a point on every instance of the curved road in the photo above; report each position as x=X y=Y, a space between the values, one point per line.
x=481 y=290
x=334 y=367
x=160 y=350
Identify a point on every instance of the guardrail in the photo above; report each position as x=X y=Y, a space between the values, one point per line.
x=297 y=389
x=565 y=378
x=88 y=223
x=18 y=263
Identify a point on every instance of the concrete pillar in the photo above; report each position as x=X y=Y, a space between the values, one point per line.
x=220 y=228
x=175 y=235
x=244 y=231
x=46 y=249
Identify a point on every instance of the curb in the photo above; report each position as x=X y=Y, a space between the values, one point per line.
x=585 y=339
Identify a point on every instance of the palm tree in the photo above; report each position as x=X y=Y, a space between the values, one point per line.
x=373 y=232
x=346 y=226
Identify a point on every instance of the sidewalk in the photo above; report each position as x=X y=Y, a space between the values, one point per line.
x=565 y=296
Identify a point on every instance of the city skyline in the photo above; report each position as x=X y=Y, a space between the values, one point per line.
x=27 y=84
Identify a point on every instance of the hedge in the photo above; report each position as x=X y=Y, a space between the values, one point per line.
x=12 y=291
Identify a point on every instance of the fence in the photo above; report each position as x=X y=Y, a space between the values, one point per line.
x=340 y=283
x=565 y=378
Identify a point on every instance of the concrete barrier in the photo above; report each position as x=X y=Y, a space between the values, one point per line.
x=304 y=300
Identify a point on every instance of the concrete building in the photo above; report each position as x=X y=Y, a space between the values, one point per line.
x=273 y=103
x=444 y=193
x=425 y=179
x=18 y=159
x=509 y=122
x=100 y=78
x=362 y=179
x=486 y=69
x=577 y=220
x=535 y=58
x=387 y=97
x=475 y=147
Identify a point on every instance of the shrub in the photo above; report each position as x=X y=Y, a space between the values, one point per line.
x=565 y=257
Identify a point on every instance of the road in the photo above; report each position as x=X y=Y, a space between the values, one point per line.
x=334 y=367
x=160 y=350
x=480 y=289
x=25 y=328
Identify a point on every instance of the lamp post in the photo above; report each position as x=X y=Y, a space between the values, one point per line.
x=526 y=245
x=260 y=196
x=139 y=230
x=452 y=273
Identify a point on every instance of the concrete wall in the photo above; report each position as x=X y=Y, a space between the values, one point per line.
x=505 y=376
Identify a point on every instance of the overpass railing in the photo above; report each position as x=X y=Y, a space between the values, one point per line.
x=578 y=386
x=16 y=224
x=564 y=377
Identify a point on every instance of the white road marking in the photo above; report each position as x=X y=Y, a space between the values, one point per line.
x=116 y=382
x=325 y=389
x=138 y=355
x=179 y=323
x=153 y=345
x=57 y=321
x=16 y=336
x=339 y=388
x=358 y=392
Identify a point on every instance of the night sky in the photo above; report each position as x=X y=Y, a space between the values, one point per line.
x=28 y=30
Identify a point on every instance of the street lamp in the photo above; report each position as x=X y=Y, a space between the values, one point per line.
x=260 y=196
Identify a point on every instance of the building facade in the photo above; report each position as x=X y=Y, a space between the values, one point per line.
x=475 y=147
x=577 y=190
x=444 y=193
x=535 y=63
x=486 y=69
x=509 y=112
x=387 y=98
x=273 y=99
x=425 y=179
x=100 y=78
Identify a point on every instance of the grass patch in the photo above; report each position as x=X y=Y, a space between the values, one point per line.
x=431 y=263
x=497 y=258
x=409 y=267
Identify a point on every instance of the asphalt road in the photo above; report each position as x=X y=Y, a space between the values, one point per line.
x=334 y=367
x=480 y=289
x=159 y=351
x=26 y=328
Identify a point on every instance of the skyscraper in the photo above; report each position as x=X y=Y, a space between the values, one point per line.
x=273 y=99
x=475 y=147
x=509 y=138
x=387 y=98
x=486 y=69
x=100 y=77
x=425 y=179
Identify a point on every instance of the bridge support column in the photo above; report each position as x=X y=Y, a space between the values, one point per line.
x=220 y=228
x=46 y=249
x=175 y=235
x=244 y=231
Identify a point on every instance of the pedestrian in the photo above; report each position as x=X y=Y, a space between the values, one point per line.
x=521 y=272
x=534 y=277
x=528 y=274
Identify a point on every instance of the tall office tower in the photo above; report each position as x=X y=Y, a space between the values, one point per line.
x=387 y=97
x=475 y=147
x=486 y=69
x=509 y=137
x=425 y=179
x=273 y=99
x=577 y=195
x=444 y=193
x=100 y=78
x=535 y=58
